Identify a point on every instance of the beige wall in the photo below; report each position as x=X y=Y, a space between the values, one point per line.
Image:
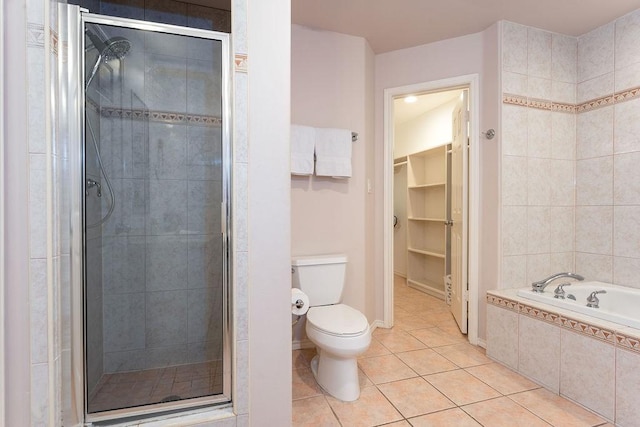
x=332 y=86
x=472 y=54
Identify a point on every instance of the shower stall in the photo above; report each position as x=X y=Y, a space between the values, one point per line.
x=152 y=188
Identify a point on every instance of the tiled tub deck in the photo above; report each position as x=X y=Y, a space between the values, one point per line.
x=590 y=361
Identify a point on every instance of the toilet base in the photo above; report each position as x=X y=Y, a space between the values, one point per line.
x=337 y=376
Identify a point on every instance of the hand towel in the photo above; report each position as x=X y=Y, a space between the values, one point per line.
x=303 y=140
x=333 y=152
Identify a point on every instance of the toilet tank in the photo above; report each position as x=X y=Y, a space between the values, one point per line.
x=321 y=277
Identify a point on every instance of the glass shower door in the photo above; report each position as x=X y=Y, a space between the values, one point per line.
x=156 y=184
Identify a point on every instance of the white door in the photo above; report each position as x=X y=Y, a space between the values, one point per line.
x=459 y=181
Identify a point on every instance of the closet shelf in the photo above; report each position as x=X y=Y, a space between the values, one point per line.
x=427 y=219
x=427 y=253
x=436 y=184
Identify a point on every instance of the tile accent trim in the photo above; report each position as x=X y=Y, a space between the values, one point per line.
x=545 y=104
x=35 y=35
x=241 y=62
x=624 y=338
x=160 y=116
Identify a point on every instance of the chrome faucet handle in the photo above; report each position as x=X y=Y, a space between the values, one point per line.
x=593 y=301
x=559 y=291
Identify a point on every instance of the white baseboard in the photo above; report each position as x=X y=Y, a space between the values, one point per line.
x=482 y=343
x=302 y=344
x=397 y=273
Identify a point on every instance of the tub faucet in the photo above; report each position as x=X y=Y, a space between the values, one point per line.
x=593 y=301
x=541 y=284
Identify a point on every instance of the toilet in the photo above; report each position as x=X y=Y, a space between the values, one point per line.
x=340 y=333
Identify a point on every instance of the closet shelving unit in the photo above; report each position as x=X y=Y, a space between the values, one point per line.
x=427 y=203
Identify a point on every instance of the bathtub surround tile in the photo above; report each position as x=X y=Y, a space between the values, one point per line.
x=538 y=230
x=563 y=136
x=554 y=409
x=625 y=272
x=627 y=33
x=594 y=226
x=595 y=88
x=414 y=397
x=514 y=271
x=514 y=179
x=538 y=266
x=502 y=333
x=595 y=133
x=514 y=48
x=514 y=83
x=562 y=230
x=461 y=387
x=594 y=391
x=564 y=58
x=514 y=138
x=627 y=389
x=539 y=351
x=594 y=266
x=538 y=53
x=626 y=231
x=514 y=230
x=627 y=78
x=626 y=186
x=563 y=93
x=596 y=52
x=626 y=126
x=539 y=88
x=539 y=133
x=502 y=412
x=372 y=408
x=594 y=179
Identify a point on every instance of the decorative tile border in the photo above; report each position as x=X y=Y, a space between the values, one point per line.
x=35 y=34
x=241 y=62
x=545 y=104
x=161 y=116
x=54 y=42
x=617 y=338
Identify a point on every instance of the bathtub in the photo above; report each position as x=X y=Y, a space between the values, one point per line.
x=619 y=305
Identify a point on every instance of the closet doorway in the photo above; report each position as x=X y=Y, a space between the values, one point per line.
x=428 y=147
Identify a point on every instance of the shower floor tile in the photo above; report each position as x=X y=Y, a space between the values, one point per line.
x=138 y=388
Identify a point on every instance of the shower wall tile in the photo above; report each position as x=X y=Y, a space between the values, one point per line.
x=595 y=52
x=204 y=320
x=36 y=96
x=124 y=320
x=166 y=45
x=626 y=231
x=204 y=153
x=562 y=229
x=240 y=203
x=166 y=11
x=595 y=133
x=161 y=357
x=204 y=261
x=627 y=34
x=123 y=361
x=564 y=62
x=594 y=266
x=240 y=140
x=166 y=83
x=38 y=305
x=594 y=225
x=538 y=53
x=129 y=214
x=560 y=261
x=123 y=264
x=514 y=48
x=199 y=352
x=203 y=206
x=203 y=50
x=241 y=378
x=40 y=394
x=514 y=230
x=626 y=185
x=625 y=271
x=166 y=263
x=593 y=391
x=539 y=88
x=538 y=230
x=167 y=151
x=627 y=77
x=208 y=18
x=166 y=212
x=38 y=205
x=626 y=129
x=240 y=295
x=204 y=87
x=166 y=318
x=563 y=92
x=594 y=179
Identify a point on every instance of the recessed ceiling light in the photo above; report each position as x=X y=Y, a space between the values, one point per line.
x=410 y=99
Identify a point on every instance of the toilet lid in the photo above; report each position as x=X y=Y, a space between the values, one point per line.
x=338 y=319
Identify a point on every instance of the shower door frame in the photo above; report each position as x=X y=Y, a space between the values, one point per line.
x=77 y=135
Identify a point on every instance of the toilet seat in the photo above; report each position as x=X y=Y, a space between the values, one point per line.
x=337 y=320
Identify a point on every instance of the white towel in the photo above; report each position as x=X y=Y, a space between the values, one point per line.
x=333 y=152
x=303 y=139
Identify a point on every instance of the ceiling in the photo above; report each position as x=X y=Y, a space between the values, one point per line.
x=396 y=24
x=403 y=111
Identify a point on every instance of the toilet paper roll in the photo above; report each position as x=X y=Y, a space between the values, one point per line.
x=299 y=302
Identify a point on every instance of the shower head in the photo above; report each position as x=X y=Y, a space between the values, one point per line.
x=113 y=48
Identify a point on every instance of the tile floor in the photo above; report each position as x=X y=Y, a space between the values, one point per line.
x=423 y=372
x=129 y=389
